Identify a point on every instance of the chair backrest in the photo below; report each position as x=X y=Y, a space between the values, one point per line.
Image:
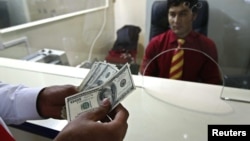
x=127 y=38
x=159 y=19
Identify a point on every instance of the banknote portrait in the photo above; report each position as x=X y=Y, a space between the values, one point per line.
x=109 y=92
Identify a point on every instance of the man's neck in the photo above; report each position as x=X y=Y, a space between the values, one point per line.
x=182 y=36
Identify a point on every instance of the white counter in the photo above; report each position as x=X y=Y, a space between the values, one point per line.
x=160 y=109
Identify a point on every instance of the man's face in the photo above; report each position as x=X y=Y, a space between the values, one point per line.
x=180 y=19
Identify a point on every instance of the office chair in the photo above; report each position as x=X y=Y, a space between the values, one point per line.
x=124 y=49
x=159 y=19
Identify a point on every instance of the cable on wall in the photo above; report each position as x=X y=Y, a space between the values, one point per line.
x=88 y=63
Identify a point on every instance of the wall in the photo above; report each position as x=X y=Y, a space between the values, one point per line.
x=74 y=38
x=40 y=9
x=132 y=12
x=74 y=35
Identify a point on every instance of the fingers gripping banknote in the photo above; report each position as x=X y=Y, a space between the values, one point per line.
x=111 y=83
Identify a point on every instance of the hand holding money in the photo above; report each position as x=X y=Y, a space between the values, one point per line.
x=103 y=81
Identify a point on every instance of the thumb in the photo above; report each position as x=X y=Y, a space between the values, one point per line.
x=100 y=112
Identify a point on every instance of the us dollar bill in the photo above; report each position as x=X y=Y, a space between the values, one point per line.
x=115 y=89
x=95 y=71
x=103 y=77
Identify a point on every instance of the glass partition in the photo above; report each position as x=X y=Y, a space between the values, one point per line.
x=229 y=27
x=72 y=38
x=181 y=94
x=17 y=12
x=88 y=37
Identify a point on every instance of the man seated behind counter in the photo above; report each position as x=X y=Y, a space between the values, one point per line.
x=196 y=67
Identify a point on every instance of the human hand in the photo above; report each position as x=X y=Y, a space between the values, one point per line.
x=51 y=100
x=87 y=126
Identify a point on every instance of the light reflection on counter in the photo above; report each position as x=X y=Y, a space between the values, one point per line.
x=183 y=95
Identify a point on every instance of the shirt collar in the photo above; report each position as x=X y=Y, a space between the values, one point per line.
x=190 y=38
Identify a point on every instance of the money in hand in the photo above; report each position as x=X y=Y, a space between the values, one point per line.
x=107 y=82
x=99 y=74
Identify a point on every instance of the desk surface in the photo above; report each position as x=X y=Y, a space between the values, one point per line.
x=160 y=109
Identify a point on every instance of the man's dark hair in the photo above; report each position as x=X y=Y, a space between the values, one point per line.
x=192 y=4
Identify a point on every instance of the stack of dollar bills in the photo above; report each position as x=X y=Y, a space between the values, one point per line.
x=104 y=80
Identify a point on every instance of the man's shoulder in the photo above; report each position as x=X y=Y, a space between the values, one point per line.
x=162 y=36
x=203 y=38
x=159 y=42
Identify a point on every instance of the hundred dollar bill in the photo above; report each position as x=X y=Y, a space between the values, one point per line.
x=115 y=89
x=95 y=71
x=105 y=75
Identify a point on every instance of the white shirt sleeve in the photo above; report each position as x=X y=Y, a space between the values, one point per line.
x=18 y=103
